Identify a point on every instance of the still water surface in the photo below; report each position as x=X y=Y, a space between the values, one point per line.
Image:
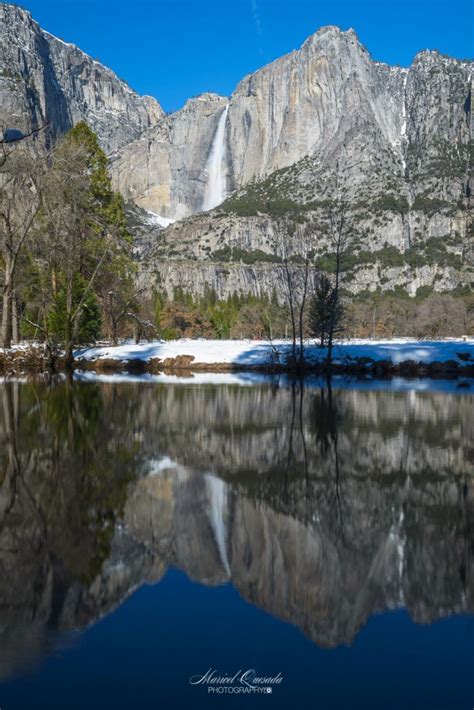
x=152 y=532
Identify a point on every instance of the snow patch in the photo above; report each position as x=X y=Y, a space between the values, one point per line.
x=163 y=464
x=155 y=219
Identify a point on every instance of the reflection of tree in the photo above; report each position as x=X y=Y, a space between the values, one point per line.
x=466 y=524
x=290 y=456
x=302 y=434
x=297 y=392
x=12 y=476
x=325 y=421
x=62 y=480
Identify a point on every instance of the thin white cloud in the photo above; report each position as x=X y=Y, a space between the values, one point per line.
x=257 y=22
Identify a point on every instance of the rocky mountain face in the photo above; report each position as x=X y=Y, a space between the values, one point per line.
x=164 y=171
x=321 y=123
x=306 y=103
x=45 y=80
x=321 y=507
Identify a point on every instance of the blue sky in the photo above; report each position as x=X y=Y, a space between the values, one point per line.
x=175 y=49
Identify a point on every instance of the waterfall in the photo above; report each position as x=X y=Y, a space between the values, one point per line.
x=215 y=191
x=403 y=130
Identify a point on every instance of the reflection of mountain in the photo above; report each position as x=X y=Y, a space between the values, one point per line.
x=363 y=504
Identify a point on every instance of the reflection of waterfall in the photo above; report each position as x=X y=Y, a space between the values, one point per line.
x=388 y=566
x=215 y=191
x=217 y=499
x=400 y=541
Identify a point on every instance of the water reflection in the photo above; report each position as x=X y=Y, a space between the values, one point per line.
x=321 y=506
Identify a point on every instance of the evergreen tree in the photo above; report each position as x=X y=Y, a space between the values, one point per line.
x=83 y=245
x=89 y=321
x=325 y=309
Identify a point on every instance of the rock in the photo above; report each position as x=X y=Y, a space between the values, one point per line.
x=45 y=80
x=286 y=126
x=327 y=100
x=364 y=362
x=164 y=171
x=408 y=368
x=180 y=362
x=382 y=368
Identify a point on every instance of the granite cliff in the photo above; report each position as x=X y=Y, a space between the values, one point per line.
x=44 y=80
x=324 y=121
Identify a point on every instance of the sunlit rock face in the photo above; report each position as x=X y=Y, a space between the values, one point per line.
x=328 y=101
x=309 y=101
x=166 y=169
x=321 y=507
x=44 y=80
x=397 y=139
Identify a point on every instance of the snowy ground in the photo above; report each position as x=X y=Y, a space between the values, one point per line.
x=261 y=352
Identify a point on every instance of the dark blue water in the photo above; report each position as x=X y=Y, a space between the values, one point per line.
x=143 y=655
x=150 y=534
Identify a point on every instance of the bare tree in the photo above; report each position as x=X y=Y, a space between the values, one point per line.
x=290 y=294
x=340 y=239
x=302 y=304
x=298 y=274
x=20 y=202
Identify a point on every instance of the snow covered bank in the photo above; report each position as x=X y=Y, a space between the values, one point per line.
x=409 y=358
x=261 y=353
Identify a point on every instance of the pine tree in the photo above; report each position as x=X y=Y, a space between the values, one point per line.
x=325 y=308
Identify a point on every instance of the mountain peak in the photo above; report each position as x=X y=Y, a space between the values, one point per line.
x=14 y=13
x=330 y=32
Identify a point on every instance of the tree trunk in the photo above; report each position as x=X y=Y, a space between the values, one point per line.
x=289 y=282
x=69 y=361
x=7 y=302
x=113 y=332
x=69 y=330
x=330 y=338
x=303 y=302
x=7 y=318
x=136 y=332
x=15 y=321
x=69 y=343
x=334 y=305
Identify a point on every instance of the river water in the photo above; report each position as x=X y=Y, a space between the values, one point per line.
x=251 y=544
